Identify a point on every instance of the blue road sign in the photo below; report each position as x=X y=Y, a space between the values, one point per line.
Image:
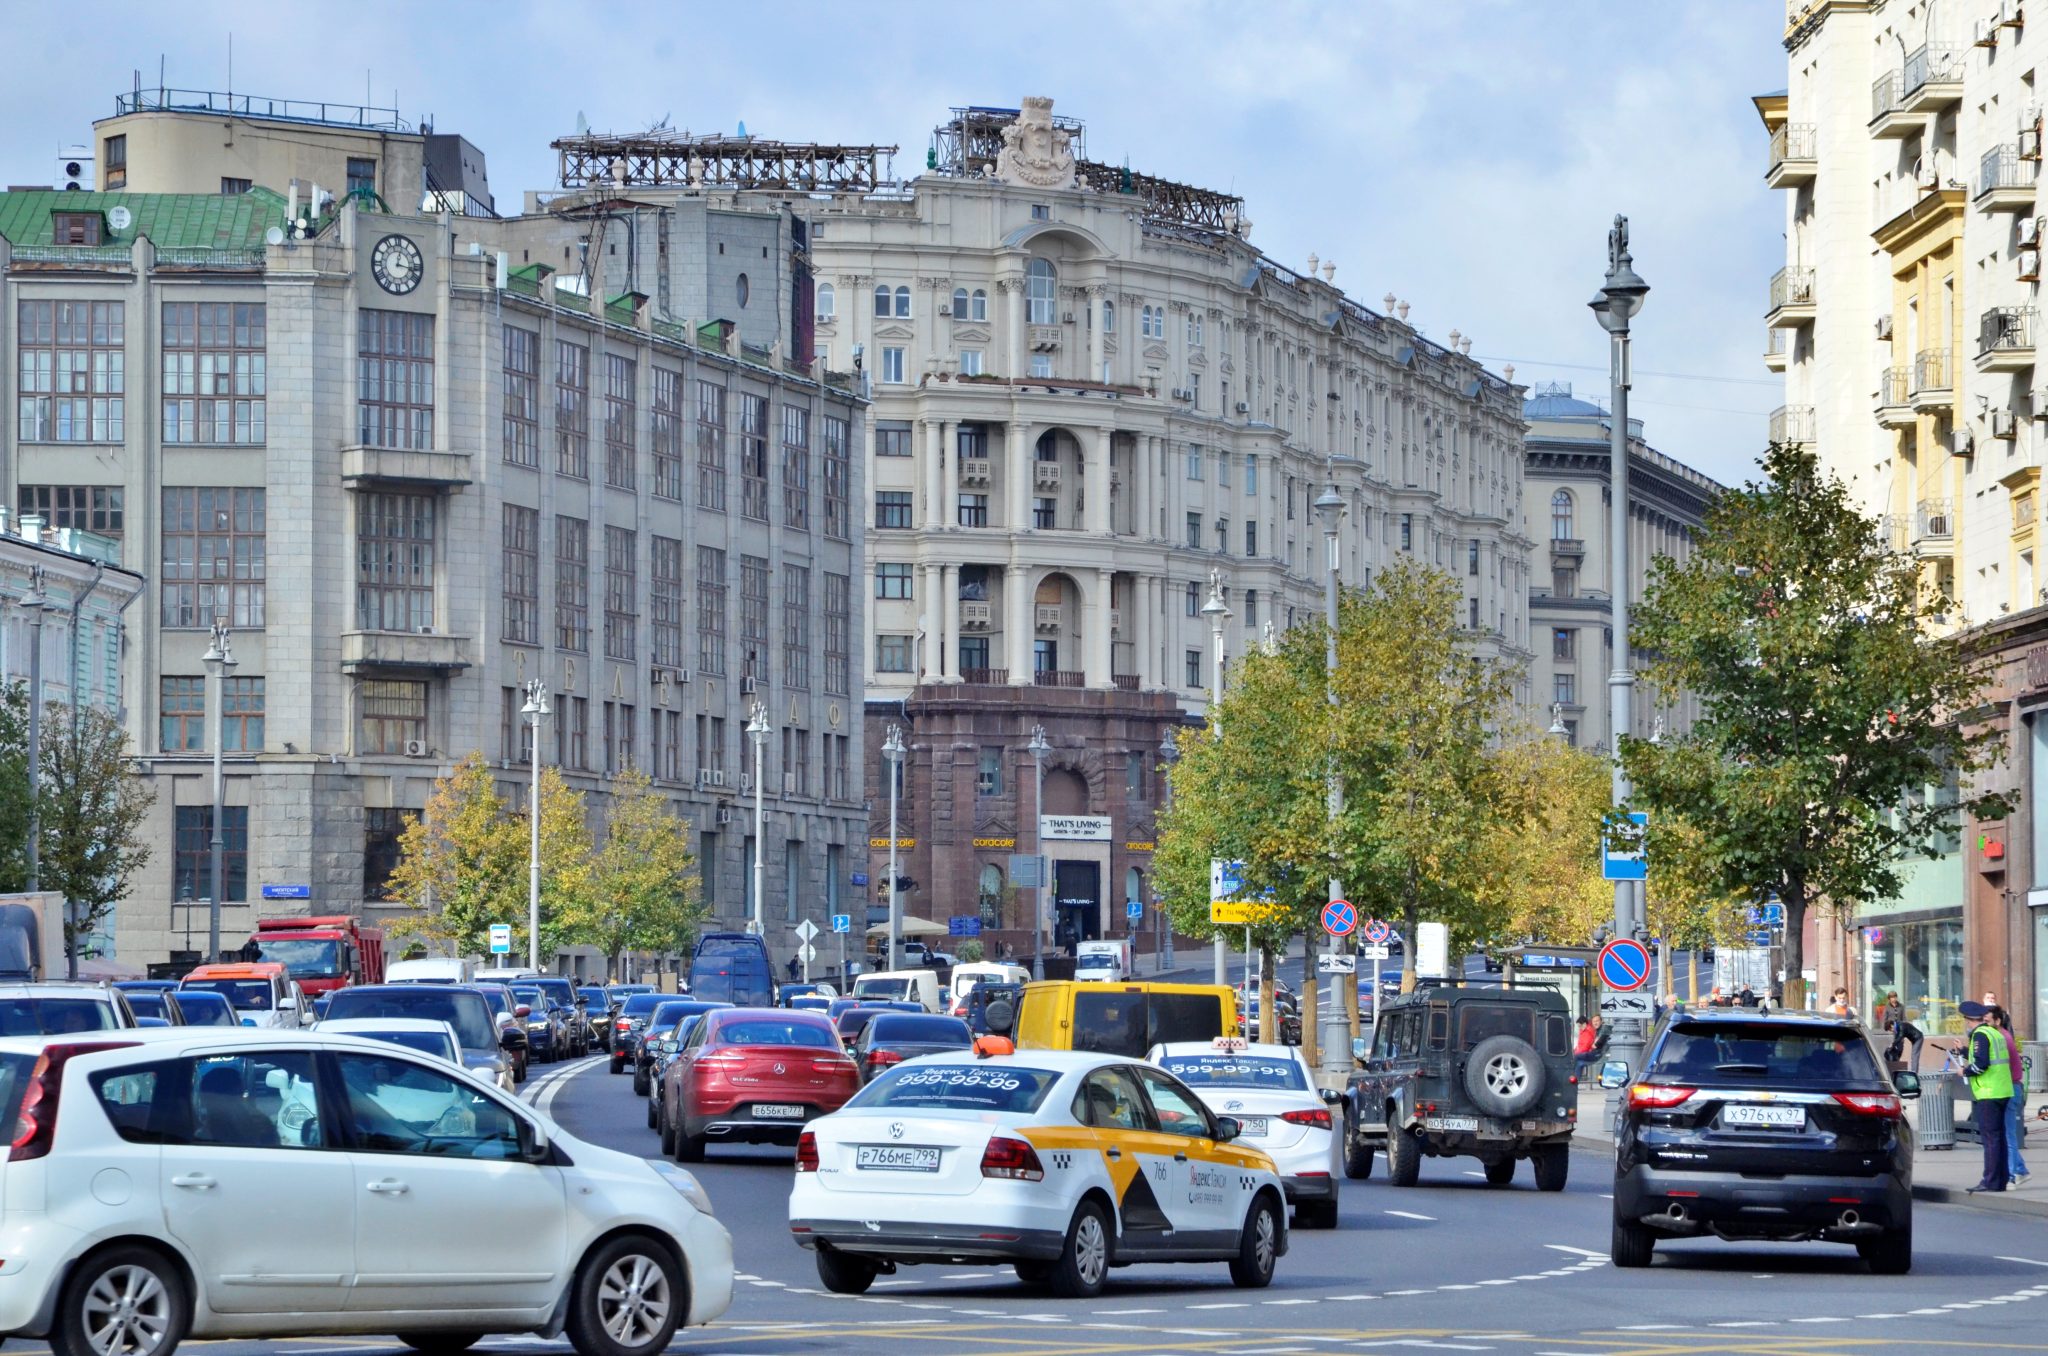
x=1626 y=863
x=1774 y=915
x=842 y=922
x=963 y=925
x=287 y=892
x=1134 y=910
x=1624 y=964
x=1339 y=918
x=1760 y=937
x=860 y=878
x=1376 y=932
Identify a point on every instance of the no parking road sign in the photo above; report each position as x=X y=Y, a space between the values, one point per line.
x=1624 y=964
x=1339 y=918
x=1376 y=932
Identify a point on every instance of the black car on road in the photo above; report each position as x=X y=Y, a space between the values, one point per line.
x=1781 y=1126
x=889 y=1038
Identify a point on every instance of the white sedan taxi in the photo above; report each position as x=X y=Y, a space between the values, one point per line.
x=1061 y=1163
x=1271 y=1092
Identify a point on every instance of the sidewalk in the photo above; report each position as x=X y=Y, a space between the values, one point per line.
x=1941 y=1176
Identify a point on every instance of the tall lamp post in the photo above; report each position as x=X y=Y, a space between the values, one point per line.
x=1218 y=613
x=1620 y=298
x=757 y=730
x=1039 y=747
x=1336 y=1042
x=220 y=662
x=1169 y=754
x=535 y=710
x=892 y=753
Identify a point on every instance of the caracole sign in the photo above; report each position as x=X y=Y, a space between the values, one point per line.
x=1073 y=828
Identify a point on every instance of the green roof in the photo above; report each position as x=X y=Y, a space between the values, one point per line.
x=170 y=220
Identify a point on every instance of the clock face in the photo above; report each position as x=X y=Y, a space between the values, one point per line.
x=396 y=264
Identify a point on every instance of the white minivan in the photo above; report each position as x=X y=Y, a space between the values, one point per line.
x=900 y=986
x=970 y=973
x=431 y=970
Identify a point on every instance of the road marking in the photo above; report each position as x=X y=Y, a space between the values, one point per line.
x=964 y=1276
x=1292 y=1301
x=2024 y=1261
x=1109 y=1313
x=1582 y=1252
x=1219 y=1306
x=1410 y=1214
x=879 y=1284
x=1650 y=1327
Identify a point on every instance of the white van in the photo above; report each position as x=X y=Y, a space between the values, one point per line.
x=900 y=986
x=967 y=975
x=1103 y=960
x=440 y=970
x=507 y=974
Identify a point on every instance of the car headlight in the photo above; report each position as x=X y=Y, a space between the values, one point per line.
x=536 y=1026
x=684 y=1182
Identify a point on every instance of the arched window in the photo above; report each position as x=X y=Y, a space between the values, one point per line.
x=827 y=300
x=1048 y=446
x=1041 y=292
x=959 y=303
x=882 y=301
x=1561 y=516
x=980 y=311
x=1134 y=884
x=903 y=303
x=1109 y=317
x=991 y=895
x=741 y=290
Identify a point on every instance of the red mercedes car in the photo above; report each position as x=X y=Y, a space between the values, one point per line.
x=753 y=1076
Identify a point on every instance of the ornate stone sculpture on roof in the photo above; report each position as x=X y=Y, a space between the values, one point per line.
x=1035 y=152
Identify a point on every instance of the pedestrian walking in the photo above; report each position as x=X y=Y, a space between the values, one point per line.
x=1582 y=1044
x=1903 y=1032
x=2015 y=1105
x=1987 y=1063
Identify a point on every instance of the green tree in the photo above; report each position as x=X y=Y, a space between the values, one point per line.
x=1545 y=884
x=93 y=810
x=1825 y=697
x=641 y=893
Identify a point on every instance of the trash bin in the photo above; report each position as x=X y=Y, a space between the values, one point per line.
x=2034 y=1058
x=1937 y=1111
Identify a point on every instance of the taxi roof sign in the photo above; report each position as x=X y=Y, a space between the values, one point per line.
x=1231 y=1043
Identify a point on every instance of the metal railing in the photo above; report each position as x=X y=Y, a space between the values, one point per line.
x=1893 y=528
x=1794 y=141
x=1791 y=287
x=2006 y=329
x=80 y=255
x=1934 y=518
x=1932 y=64
x=1059 y=678
x=1792 y=424
x=1893 y=385
x=985 y=677
x=1774 y=342
x=258 y=106
x=2002 y=167
x=1931 y=370
x=1887 y=92
x=202 y=256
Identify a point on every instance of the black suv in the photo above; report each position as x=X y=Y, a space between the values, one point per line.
x=1479 y=1072
x=1748 y=1126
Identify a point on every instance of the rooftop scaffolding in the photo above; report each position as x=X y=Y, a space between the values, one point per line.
x=665 y=159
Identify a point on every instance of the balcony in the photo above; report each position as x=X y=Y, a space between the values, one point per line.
x=1125 y=682
x=976 y=616
x=1792 y=424
x=1888 y=117
x=1059 y=678
x=1572 y=547
x=384 y=651
x=1045 y=474
x=1894 y=400
x=2005 y=339
x=1793 y=160
x=985 y=677
x=2005 y=182
x=363 y=467
x=1934 y=527
x=1791 y=299
x=1933 y=386
x=1776 y=350
x=974 y=470
x=1933 y=79
x=1049 y=616
x=1892 y=529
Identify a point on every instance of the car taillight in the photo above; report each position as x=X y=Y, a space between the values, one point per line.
x=1656 y=1097
x=1881 y=1104
x=807 y=1152
x=832 y=1066
x=885 y=1057
x=36 y=1126
x=1013 y=1159
x=623 y=1025
x=1319 y=1118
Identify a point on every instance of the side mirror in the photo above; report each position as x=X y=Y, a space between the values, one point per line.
x=1001 y=1016
x=510 y=1040
x=1228 y=1128
x=533 y=1143
x=522 y=1011
x=1332 y=1096
x=1907 y=1084
x=151 y=1021
x=1360 y=1047
x=248 y=1021
x=1614 y=1074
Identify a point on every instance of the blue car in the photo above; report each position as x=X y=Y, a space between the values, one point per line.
x=203 y=1007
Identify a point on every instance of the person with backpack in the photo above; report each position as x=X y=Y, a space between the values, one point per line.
x=1903 y=1032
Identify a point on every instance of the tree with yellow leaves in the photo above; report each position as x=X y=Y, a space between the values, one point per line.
x=642 y=890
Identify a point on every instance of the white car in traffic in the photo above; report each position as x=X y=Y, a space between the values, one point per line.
x=189 y=1182
x=1271 y=1090
x=1061 y=1163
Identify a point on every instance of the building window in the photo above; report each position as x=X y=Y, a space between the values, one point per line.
x=213 y=373
x=213 y=557
x=1196 y=462
x=754 y=457
x=977 y=305
x=711 y=748
x=959 y=311
x=892 y=509
x=1194 y=668
x=668 y=746
x=181 y=704
x=1134 y=777
x=667 y=434
x=234 y=188
x=1472 y=557
x=511 y=727
x=621 y=593
x=1041 y=292
x=192 y=859
x=892 y=366
x=1472 y=614
x=665 y=602
x=974 y=510
x=796 y=467
x=796 y=761
x=974 y=656
x=1194 y=603
x=838 y=755
x=892 y=440
x=1561 y=516
x=114 y=161
x=892 y=654
x=754 y=618
x=1251 y=476
x=825 y=300
x=572 y=584
x=988 y=776
x=572 y=733
x=1223 y=470
x=970 y=362
x=572 y=409
x=362 y=175
x=882 y=298
x=838 y=477
x=618 y=737
x=395 y=380
x=394 y=714
x=521 y=565
x=1564 y=643
x=89 y=508
x=892 y=579
x=1109 y=317
x=838 y=634
x=395 y=562
x=241 y=716
x=1045 y=513
x=903 y=303
x=1251 y=538
x=1045 y=656
x=1194 y=532
x=1251 y=608
x=710 y=447
x=711 y=588
x=382 y=829
x=796 y=627
x=522 y=396
x=741 y=290
x=1565 y=688
x=71 y=374
x=620 y=377
x=1564 y=581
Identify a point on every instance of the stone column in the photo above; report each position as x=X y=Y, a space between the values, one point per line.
x=1093 y=295
x=1095 y=632
x=934 y=467
x=949 y=612
x=934 y=623
x=1017 y=633
x=1017 y=361
x=1017 y=476
x=949 y=474
x=1150 y=593
x=1097 y=480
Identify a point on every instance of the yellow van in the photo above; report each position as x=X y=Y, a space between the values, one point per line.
x=1121 y=1019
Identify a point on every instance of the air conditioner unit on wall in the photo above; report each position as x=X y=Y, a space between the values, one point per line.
x=1884 y=327
x=2029 y=265
x=2030 y=232
x=2003 y=425
x=1984 y=33
x=415 y=748
x=1961 y=444
x=789 y=783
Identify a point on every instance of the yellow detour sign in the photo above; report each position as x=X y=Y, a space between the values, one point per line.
x=1242 y=911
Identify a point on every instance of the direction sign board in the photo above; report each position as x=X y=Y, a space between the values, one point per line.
x=1760 y=937
x=1339 y=918
x=963 y=925
x=1625 y=861
x=1377 y=932
x=287 y=892
x=1625 y=1003
x=859 y=878
x=806 y=929
x=1134 y=910
x=501 y=939
x=1241 y=911
x=1624 y=964
x=1774 y=914
x=842 y=922
x=1027 y=870
x=1336 y=963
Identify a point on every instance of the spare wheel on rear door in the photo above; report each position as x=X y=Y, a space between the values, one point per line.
x=1504 y=1076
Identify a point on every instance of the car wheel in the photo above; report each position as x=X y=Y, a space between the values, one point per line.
x=1315 y=1215
x=127 y=1301
x=1034 y=1273
x=1258 y=1247
x=1553 y=1165
x=668 y=1131
x=1357 y=1153
x=518 y=1068
x=640 y=1083
x=618 y=1064
x=1500 y=1172
x=628 y=1299
x=845 y=1274
x=1890 y=1253
x=652 y=1124
x=1632 y=1243
x=1083 y=1263
x=440 y=1343
x=689 y=1147
x=1504 y=1076
x=1404 y=1157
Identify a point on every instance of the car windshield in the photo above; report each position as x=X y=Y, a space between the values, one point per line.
x=1236 y=1071
x=668 y=1014
x=1095 y=960
x=499 y=1000
x=426 y=1042
x=595 y=997
x=640 y=1004
x=619 y=993
x=39 y=1016
x=533 y=998
x=1771 y=1051
x=853 y=1021
x=965 y=1087
x=205 y=1009
x=882 y=988
x=248 y=995
x=463 y=1009
x=149 y=1003
x=303 y=958
x=889 y=1027
x=775 y=1031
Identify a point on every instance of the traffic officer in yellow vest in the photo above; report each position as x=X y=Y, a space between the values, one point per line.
x=1989 y=1069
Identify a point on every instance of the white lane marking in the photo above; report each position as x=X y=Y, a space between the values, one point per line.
x=965 y=1276
x=1650 y=1327
x=1820 y=1320
x=2024 y=1261
x=1744 y=1323
x=1475 y=1174
x=1581 y=1252
x=1292 y=1301
x=879 y=1284
x=1407 y=1292
x=1410 y=1214
x=1219 y=1306
x=1113 y=1313
x=1351 y=1297
x=770 y=1285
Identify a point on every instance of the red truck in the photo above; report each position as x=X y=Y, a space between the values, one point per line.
x=323 y=954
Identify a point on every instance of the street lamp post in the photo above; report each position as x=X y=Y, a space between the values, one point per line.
x=1336 y=1038
x=1039 y=747
x=892 y=752
x=220 y=662
x=1218 y=613
x=535 y=710
x=1620 y=298
x=35 y=602
x=757 y=730
x=1169 y=753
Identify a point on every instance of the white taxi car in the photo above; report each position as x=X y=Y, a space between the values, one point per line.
x=195 y=1182
x=1062 y=1163
x=1271 y=1091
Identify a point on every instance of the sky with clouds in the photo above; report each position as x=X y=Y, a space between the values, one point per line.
x=1464 y=155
